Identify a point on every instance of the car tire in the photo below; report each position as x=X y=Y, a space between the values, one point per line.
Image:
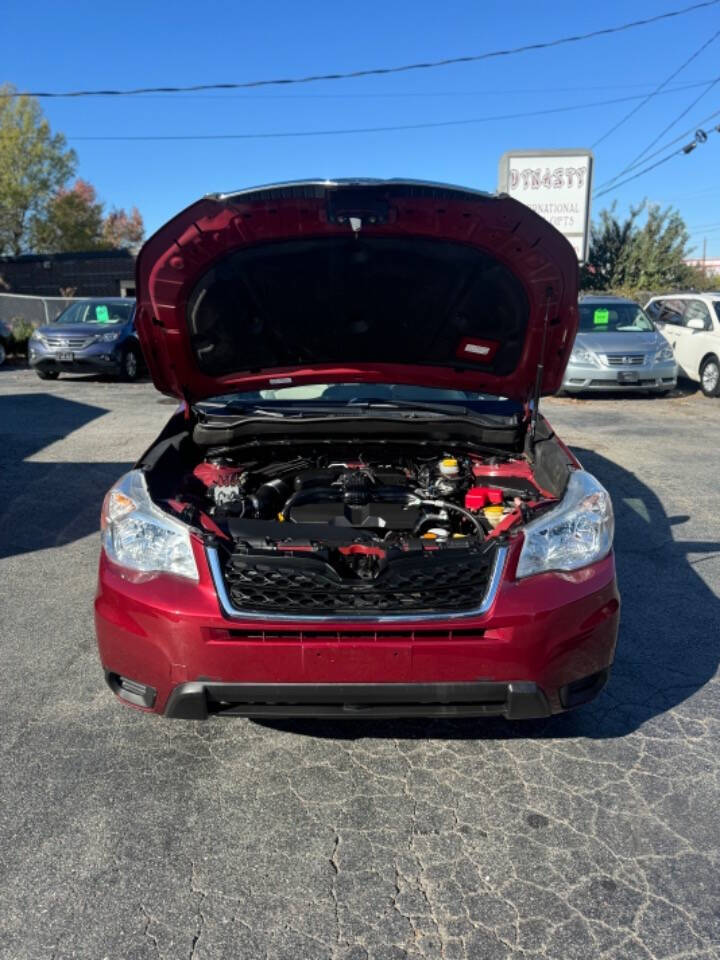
x=48 y=374
x=710 y=377
x=3 y=353
x=130 y=365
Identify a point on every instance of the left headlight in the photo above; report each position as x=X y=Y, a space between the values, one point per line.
x=106 y=337
x=664 y=353
x=139 y=536
x=575 y=533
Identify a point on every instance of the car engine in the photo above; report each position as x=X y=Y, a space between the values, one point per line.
x=308 y=531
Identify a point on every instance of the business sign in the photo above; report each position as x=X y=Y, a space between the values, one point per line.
x=556 y=184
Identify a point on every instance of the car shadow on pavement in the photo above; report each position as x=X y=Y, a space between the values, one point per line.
x=668 y=649
x=47 y=502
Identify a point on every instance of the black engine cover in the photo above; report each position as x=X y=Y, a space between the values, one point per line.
x=374 y=515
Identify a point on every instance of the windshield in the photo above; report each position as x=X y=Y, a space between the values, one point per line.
x=363 y=393
x=613 y=318
x=96 y=311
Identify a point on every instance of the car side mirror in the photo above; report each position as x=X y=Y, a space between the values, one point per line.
x=696 y=323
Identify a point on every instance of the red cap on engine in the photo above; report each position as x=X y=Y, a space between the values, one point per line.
x=478 y=497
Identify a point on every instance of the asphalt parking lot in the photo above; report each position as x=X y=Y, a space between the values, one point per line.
x=594 y=835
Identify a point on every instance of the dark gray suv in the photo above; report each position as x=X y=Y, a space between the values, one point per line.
x=90 y=336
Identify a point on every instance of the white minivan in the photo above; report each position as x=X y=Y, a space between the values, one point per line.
x=690 y=322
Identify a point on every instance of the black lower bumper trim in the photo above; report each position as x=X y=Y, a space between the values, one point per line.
x=587 y=688
x=515 y=700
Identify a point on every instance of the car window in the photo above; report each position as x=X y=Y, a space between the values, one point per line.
x=716 y=304
x=671 y=311
x=653 y=309
x=96 y=311
x=697 y=310
x=598 y=317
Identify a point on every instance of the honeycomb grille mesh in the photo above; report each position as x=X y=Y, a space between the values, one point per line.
x=413 y=586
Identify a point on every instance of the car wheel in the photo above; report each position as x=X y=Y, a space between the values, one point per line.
x=48 y=374
x=710 y=377
x=130 y=365
x=3 y=354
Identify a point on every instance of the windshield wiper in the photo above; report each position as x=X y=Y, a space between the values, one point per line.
x=412 y=405
x=357 y=407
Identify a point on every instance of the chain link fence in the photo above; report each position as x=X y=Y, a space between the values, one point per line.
x=21 y=314
x=16 y=309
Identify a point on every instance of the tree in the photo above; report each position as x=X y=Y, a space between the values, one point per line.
x=626 y=256
x=34 y=165
x=121 y=229
x=72 y=220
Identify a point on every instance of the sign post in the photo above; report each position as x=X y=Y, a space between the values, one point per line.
x=556 y=184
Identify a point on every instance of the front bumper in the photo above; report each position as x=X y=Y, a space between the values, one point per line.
x=659 y=376
x=516 y=701
x=540 y=640
x=98 y=358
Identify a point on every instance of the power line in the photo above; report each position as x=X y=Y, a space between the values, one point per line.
x=670 y=143
x=688 y=148
x=376 y=71
x=286 y=134
x=677 y=119
x=654 y=93
x=419 y=94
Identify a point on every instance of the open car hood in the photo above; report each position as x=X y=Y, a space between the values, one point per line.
x=386 y=281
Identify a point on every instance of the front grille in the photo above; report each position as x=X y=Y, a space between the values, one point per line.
x=432 y=584
x=625 y=360
x=59 y=341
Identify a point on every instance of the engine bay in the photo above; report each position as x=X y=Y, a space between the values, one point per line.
x=358 y=507
x=304 y=520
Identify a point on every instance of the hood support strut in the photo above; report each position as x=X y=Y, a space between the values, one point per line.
x=540 y=371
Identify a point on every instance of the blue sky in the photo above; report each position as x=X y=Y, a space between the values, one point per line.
x=91 y=45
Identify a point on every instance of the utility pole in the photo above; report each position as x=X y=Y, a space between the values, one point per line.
x=704 y=256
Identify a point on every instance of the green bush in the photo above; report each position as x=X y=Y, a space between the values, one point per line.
x=20 y=332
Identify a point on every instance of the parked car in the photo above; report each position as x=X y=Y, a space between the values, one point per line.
x=618 y=348
x=96 y=335
x=358 y=509
x=5 y=338
x=691 y=324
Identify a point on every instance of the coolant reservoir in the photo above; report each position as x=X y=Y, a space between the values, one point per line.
x=494 y=514
x=449 y=467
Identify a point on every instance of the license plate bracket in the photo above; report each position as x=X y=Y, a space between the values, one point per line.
x=627 y=376
x=65 y=356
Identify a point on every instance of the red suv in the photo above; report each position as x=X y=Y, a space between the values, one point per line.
x=356 y=509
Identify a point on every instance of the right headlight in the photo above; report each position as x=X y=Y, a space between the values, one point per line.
x=584 y=356
x=575 y=533
x=139 y=536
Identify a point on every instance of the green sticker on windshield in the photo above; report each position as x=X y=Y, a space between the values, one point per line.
x=103 y=316
x=601 y=317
